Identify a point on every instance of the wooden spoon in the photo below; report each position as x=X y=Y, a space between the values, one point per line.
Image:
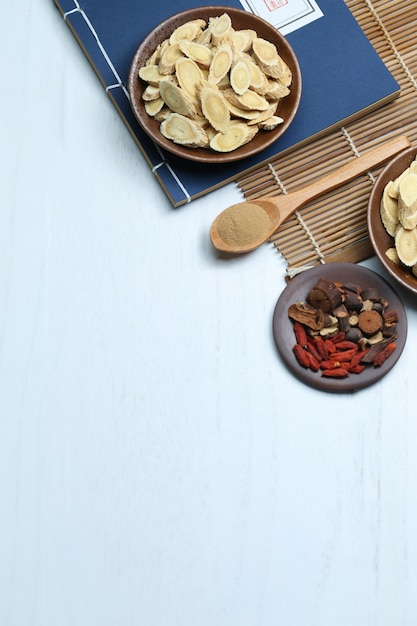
x=244 y=226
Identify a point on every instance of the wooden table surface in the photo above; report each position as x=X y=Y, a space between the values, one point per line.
x=159 y=466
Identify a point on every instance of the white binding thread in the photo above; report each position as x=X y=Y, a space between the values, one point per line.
x=78 y=9
x=120 y=84
x=355 y=150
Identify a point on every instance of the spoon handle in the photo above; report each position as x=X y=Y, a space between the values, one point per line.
x=341 y=175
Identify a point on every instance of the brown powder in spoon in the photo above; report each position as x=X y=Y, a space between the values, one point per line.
x=243 y=224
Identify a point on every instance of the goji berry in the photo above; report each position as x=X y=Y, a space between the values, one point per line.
x=311 y=347
x=321 y=347
x=357 y=358
x=301 y=355
x=347 y=345
x=337 y=372
x=300 y=334
x=329 y=365
x=343 y=355
x=314 y=363
x=356 y=369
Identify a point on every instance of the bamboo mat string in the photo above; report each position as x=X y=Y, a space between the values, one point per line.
x=334 y=228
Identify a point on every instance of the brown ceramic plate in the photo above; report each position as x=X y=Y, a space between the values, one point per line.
x=379 y=237
x=297 y=290
x=240 y=20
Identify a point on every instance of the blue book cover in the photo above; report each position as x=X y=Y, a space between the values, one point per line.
x=343 y=77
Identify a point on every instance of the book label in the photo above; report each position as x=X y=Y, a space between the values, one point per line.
x=285 y=15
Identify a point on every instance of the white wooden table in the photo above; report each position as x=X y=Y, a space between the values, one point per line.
x=159 y=466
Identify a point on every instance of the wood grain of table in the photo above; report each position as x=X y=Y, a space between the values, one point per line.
x=159 y=466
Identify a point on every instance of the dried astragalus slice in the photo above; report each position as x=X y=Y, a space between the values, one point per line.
x=242 y=39
x=275 y=90
x=182 y=130
x=406 y=245
x=169 y=58
x=262 y=116
x=151 y=74
x=265 y=53
x=237 y=135
x=389 y=210
x=243 y=114
x=220 y=63
x=153 y=107
x=214 y=107
x=249 y=100
x=220 y=27
x=177 y=99
x=189 y=75
x=271 y=122
x=392 y=255
x=197 y=52
x=190 y=30
x=151 y=92
x=407 y=201
x=240 y=77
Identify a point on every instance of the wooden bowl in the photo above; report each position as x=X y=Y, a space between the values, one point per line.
x=240 y=20
x=379 y=237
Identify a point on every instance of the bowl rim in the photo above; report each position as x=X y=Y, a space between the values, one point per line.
x=392 y=169
x=204 y=155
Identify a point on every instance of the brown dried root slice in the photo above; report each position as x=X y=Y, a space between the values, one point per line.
x=249 y=100
x=153 y=107
x=406 y=245
x=220 y=27
x=182 y=130
x=370 y=322
x=237 y=135
x=190 y=31
x=214 y=107
x=389 y=210
x=189 y=76
x=220 y=63
x=306 y=314
x=242 y=39
x=324 y=295
x=197 y=52
x=169 y=58
x=240 y=77
x=407 y=201
x=177 y=99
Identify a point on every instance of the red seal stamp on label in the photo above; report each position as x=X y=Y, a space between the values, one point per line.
x=272 y=5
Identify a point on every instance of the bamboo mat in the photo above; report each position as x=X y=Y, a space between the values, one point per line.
x=334 y=227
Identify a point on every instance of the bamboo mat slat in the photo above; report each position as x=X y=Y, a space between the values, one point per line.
x=334 y=227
